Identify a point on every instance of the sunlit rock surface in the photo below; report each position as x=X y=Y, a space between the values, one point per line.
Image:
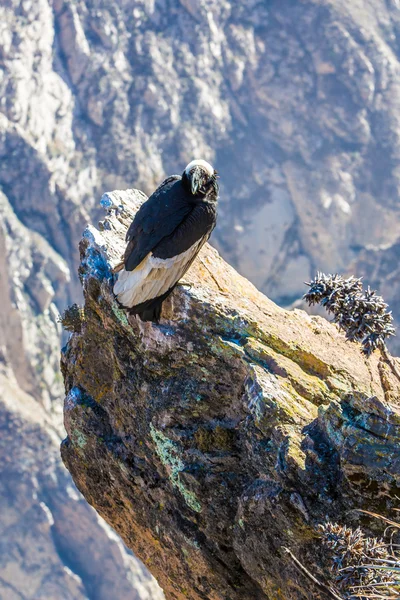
x=226 y=433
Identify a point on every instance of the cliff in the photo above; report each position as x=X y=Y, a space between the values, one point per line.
x=296 y=104
x=225 y=434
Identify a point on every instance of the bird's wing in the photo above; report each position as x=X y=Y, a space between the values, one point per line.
x=154 y=276
x=157 y=218
x=198 y=223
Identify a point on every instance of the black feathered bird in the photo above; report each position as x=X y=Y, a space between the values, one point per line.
x=165 y=237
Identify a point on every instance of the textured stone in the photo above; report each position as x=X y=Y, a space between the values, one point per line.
x=52 y=543
x=227 y=432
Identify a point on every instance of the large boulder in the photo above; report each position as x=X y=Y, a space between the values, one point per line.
x=226 y=434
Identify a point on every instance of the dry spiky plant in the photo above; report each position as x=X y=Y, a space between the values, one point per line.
x=72 y=318
x=361 y=314
x=364 y=568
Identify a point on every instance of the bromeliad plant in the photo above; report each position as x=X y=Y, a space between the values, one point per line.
x=361 y=567
x=361 y=314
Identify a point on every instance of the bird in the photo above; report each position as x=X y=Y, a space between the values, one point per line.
x=164 y=238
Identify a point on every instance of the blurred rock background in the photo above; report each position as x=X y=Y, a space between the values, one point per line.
x=296 y=102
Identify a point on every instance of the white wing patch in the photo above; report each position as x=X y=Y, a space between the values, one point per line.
x=153 y=277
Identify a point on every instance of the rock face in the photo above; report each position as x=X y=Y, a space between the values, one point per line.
x=226 y=433
x=52 y=544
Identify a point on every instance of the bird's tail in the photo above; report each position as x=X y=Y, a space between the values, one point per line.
x=149 y=314
x=151 y=309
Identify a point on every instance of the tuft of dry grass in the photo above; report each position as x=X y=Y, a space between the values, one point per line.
x=364 y=568
x=72 y=318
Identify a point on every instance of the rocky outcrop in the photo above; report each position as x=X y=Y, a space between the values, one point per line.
x=227 y=433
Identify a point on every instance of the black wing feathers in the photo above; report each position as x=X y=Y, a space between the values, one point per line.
x=197 y=225
x=158 y=217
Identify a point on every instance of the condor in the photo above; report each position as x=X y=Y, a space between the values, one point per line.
x=165 y=237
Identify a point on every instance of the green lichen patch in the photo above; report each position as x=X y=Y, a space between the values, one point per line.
x=308 y=386
x=272 y=403
x=168 y=452
x=120 y=314
x=78 y=438
x=303 y=357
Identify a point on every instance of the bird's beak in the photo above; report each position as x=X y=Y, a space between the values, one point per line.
x=195 y=180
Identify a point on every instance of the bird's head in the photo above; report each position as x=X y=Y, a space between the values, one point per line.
x=201 y=179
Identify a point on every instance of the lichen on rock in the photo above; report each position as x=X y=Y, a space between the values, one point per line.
x=227 y=432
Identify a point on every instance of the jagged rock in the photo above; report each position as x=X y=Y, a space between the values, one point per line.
x=226 y=433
